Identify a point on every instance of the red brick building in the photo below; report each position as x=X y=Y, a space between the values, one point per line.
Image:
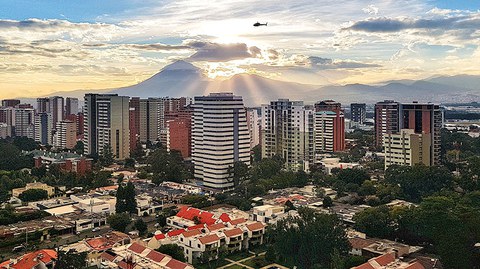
x=179 y=132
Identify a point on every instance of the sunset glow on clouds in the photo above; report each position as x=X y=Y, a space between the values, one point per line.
x=49 y=46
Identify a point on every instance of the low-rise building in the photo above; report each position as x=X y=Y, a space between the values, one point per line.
x=267 y=213
x=35 y=185
x=104 y=204
x=389 y=260
x=67 y=161
x=43 y=258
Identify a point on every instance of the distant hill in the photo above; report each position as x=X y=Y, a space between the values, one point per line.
x=185 y=79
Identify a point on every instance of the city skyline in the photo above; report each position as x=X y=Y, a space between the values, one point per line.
x=53 y=46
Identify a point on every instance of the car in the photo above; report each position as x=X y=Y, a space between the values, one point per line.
x=96 y=229
x=18 y=248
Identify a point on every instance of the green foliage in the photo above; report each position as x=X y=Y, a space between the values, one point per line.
x=167 y=166
x=256 y=153
x=71 y=260
x=119 y=222
x=141 y=226
x=25 y=144
x=419 y=181
x=79 y=147
x=239 y=172
x=298 y=233
x=8 y=216
x=375 y=222
x=197 y=201
x=327 y=202
x=107 y=157
x=355 y=176
x=173 y=250
x=126 y=201
x=129 y=163
x=33 y=195
x=11 y=157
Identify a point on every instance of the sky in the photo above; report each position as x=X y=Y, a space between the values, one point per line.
x=48 y=46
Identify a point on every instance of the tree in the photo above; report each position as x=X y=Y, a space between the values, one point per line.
x=375 y=222
x=355 y=175
x=239 y=172
x=173 y=250
x=167 y=166
x=141 y=226
x=119 y=222
x=256 y=153
x=107 y=157
x=129 y=163
x=297 y=232
x=120 y=205
x=33 y=195
x=79 y=147
x=327 y=201
x=130 y=201
x=71 y=260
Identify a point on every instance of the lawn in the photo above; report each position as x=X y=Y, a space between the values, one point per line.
x=257 y=262
x=213 y=264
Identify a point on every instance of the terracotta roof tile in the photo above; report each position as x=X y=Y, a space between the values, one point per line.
x=255 y=226
x=385 y=258
x=156 y=256
x=216 y=226
x=137 y=248
x=233 y=232
x=415 y=265
x=174 y=264
x=191 y=233
x=175 y=232
x=359 y=243
x=237 y=221
x=160 y=236
x=209 y=239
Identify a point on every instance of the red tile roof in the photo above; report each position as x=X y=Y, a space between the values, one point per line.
x=123 y=265
x=255 y=226
x=175 y=232
x=237 y=221
x=30 y=260
x=364 y=266
x=107 y=256
x=159 y=236
x=385 y=258
x=156 y=256
x=199 y=226
x=137 y=248
x=209 y=239
x=233 y=232
x=192 y=213
x=225 y=217
x=174 y=264
x=216 y=226
x=192 y=233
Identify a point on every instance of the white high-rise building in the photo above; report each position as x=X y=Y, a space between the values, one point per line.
x=219 y=138
x=107 y=123
x=43 y=128
x=254 y=125
x=287 y=131
x=66 y=135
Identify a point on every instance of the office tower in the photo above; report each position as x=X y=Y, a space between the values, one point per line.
x=43 y=105
x=151 y=119
x=330 y=121
x=254 y=122
x=386 y=120
x=43 y=128
x=56 y=108
x=423 y=119
x=407 y=148
x=287 y=131
x=179 y=132
x=219 y=138
x=71 y=106
x=10 y=102
x=24 y=124
x=66 y=135
x=80 y=123
x=5 y=130
x=358 y=112
x=107 y=124
x=134 y=118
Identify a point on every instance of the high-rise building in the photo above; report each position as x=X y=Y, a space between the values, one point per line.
x=358 y=112
x=107 y=124
x=151 y=119
x=56 y=108
x=43 y=105
x=329 y=114
x=66 y=135
x=134 y=118
x=10 y=102
x=179 y=132
x=386 y=120
x=254 y=122
x=423 y=119
x=407 y=148
x=219 y=138
x=71 y=106
x=24 y=124
x=287 y=131
x=43 y=128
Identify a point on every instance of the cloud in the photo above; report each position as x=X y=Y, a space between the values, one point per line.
x=210 y=51
x=389 y=25
x=371 y=9
x=157 y=47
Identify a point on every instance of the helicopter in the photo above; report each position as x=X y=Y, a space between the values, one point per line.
x=260 y=24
